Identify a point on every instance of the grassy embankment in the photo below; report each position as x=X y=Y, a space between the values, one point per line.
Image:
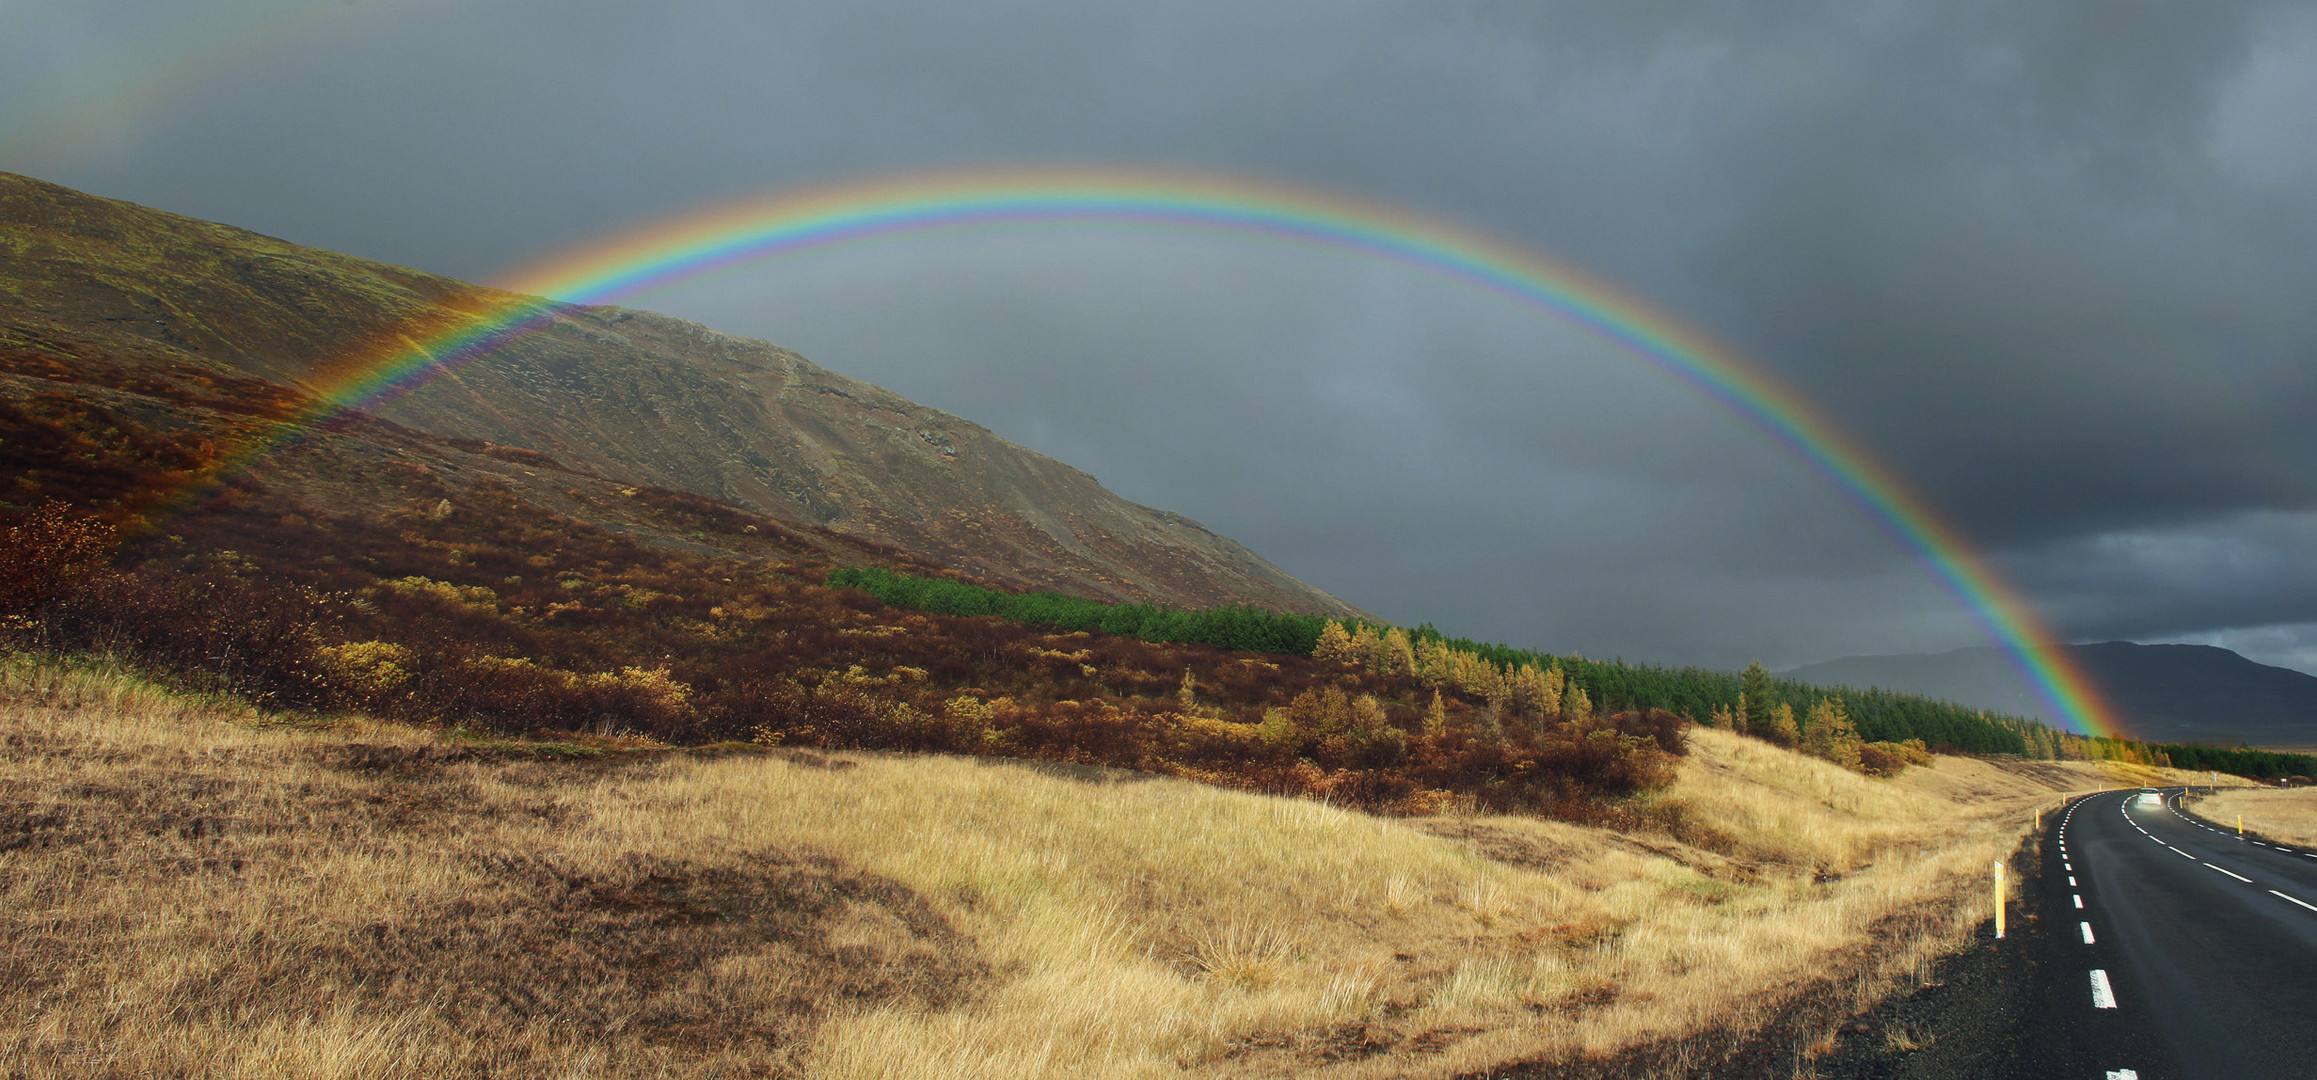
x=188 y=889
x=2286 y=815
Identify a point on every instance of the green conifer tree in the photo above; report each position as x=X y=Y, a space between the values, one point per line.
x=1754 y=691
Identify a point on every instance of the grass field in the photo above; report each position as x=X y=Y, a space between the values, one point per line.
x=188 y=891
x=2288 y=815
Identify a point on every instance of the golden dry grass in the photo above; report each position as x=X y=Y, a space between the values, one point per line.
x=2284 y=814
x=186 y=892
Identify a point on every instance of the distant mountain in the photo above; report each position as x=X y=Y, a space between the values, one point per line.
x=627 y=396
x=2166 y=693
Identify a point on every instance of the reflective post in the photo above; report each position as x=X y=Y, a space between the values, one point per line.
x=1999 y=900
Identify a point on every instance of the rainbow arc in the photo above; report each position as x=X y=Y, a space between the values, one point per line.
x=750 y=230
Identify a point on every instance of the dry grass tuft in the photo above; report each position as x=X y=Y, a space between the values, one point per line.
x=189 y=891
x=1243 y=957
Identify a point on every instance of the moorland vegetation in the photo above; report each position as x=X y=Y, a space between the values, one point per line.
x=354 y=565
x=465 y=603
x=198 y=887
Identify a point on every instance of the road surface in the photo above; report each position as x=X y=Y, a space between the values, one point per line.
x=2169 y=949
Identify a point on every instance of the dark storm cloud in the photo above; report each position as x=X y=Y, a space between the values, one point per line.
x=2050 y=260
x=2028 y=237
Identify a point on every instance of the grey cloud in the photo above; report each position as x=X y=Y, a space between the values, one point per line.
x=2039 y=248
x=2250 y=570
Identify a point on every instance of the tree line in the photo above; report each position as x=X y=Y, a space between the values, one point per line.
x=1247 y=629
x=1845 y=724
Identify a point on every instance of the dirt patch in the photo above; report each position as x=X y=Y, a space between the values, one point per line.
x=1532 y=852
x=1500 y=845
x=745 y=955
x=1961 y=1023
x=398 y=760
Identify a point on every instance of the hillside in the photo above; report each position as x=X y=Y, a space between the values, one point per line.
x=100 y=293
x=365 y=899
x=2166 y=693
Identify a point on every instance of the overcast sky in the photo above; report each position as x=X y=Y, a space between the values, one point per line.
x=2056 y=263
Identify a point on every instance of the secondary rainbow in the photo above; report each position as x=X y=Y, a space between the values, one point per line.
x=167 y=53
x=751 y=230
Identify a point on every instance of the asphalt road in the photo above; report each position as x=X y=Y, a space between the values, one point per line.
x=2169 y=949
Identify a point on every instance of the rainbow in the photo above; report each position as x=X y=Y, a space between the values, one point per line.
x=164 y=56
x=745 y=231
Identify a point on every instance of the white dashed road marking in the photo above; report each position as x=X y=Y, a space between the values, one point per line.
x=2122 y=1074
x=2087 y=932
x=2102 y=996
x=2239 y=877
x=2079 y=901
x=2303 y=903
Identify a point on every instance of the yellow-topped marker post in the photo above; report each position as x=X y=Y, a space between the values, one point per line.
x=1999 y=900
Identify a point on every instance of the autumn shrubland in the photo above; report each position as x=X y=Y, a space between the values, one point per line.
x=194 y=886
x=361 y=566
x=464 y=587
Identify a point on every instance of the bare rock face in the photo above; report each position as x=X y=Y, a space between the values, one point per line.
x=632 y=396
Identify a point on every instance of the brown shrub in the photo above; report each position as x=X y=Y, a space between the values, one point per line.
x=53 y=550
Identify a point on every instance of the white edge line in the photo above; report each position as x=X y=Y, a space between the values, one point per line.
x=2297 y=900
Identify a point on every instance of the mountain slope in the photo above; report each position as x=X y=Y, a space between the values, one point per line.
x=631 y=396
x=2167 y=693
